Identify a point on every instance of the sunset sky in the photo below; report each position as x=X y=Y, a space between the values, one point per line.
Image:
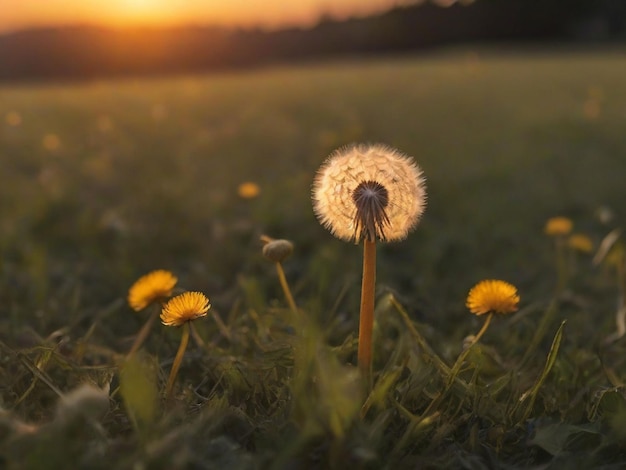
x=19 y=14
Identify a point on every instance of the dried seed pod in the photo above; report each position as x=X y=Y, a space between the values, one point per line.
x=278 y=250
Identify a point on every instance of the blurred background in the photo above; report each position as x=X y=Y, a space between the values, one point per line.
x=85 y=39
x=144 y=134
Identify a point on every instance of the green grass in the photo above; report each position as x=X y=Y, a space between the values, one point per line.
x=145 y=176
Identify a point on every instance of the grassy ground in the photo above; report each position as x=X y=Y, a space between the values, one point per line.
x=105 y=181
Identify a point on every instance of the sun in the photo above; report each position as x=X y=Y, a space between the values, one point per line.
x=142 y=11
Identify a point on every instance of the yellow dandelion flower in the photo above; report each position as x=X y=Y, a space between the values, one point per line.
x=557 y=226
x=154 y=286
x=580 y=242
x=51 y=142
x=369 y=192
x=492 y=296
x=248 y=190
x=184 y=307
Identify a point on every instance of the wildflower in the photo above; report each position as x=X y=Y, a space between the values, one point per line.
x=277 y=250
x=51 y=142
x=184 y=307
x=369 y=192
x=181 y=310
x=153 y=287
x=248 y=190
x=492 y=296
x=558 y=226
x=580 y=242
x=489 y=296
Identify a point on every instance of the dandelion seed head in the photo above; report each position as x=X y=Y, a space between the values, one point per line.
x=152 y=287
x=493 y=296
x=369 y=192
x=185 y=307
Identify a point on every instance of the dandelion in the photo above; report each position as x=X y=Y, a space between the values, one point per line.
x=580 y=242
x=154 y=287
x=492 y=296
x=369 y=193
x=487 y=297
x=179 y=311
x=248 y=190
x=184 y=308
x=51 y=142
x=278 y=251
x=558 y=226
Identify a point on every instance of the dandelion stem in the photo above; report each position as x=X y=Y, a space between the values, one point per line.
x=143 y=333
x=366 y=321
x=459 y=362
x=561 y=265
x=285 y=286
x=544 y=325
x=184 y=340
x=421 y=341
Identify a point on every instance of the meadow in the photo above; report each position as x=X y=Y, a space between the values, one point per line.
x=105 y=181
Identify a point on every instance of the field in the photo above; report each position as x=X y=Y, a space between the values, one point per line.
x=105 y=181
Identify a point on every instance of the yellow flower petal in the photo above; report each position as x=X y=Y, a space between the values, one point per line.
x=492 y=296
x=248 y=190
x=185 y=307
x=580 y=242
x=557 y=226
x=154 y=286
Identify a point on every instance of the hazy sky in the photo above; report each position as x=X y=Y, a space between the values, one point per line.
x=18 y=14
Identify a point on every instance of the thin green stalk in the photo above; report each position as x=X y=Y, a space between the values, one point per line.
x=561 y=265
x=421 y=341
x=531 y=394
x=543 y=327
x=143 y=333
x=459 y=362
x=184 y=340
x=285 y=286
x=366 y=317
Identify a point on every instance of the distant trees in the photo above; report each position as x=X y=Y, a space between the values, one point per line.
x=91 y=52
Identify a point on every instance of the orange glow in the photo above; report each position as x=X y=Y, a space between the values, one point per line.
x=139 y=11
x=120 y=13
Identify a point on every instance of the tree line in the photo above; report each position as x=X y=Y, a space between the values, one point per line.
x=89 y=52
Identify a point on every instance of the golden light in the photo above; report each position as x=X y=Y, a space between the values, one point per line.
x=141 y=11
